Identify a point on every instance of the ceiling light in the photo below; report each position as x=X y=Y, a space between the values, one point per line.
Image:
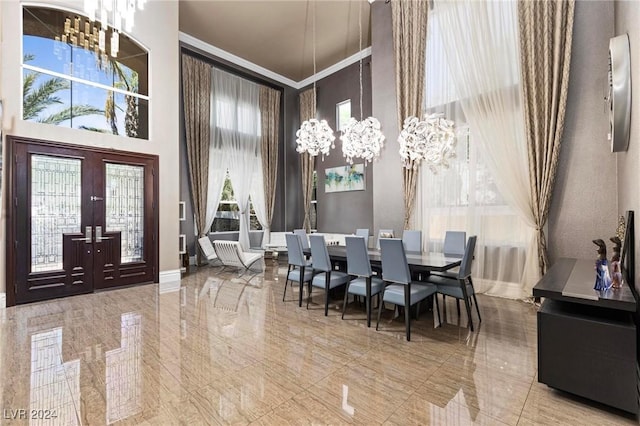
x=431 y=140
x=314 y=136
x=364 y=138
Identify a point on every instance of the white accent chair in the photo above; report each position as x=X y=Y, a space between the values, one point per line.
x=208 y=251
x=230 y=253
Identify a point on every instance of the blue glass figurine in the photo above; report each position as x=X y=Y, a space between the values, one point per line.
x=603 y=279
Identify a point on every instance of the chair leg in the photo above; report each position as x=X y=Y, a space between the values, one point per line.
x=458 y=306
x=407 y=311
x=301 y=286
x=286 y=283
x=380 y=308
x=468 y=308
x=368 y=301
x=326 y=293
x=475 y=301
x=309 y=294
x=346 y=295
x=435 y=297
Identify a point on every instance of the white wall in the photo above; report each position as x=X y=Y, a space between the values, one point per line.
x=157 y=29
x=627 y=19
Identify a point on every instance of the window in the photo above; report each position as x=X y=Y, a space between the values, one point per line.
x=73 y=84
x=343 y=113
x=228 y=215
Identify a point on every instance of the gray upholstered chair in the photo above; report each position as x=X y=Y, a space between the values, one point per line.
x=359 y=266
x=326 y=278
x=363 y=232
x=300 y=269
x=401 y=291
x=304 y=239
x=412 y=240
x=454 y=243
x=384 y=233
x=460 y=287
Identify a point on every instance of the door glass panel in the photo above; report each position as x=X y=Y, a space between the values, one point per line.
x=55 y=208
x=125 y=208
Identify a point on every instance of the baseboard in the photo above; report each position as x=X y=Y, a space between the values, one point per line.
x=3 y=300
x=169 y=281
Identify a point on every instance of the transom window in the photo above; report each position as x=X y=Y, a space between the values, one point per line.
x=72 y=83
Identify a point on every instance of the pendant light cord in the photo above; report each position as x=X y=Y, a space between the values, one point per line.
x=360 y=47
x=315 y=100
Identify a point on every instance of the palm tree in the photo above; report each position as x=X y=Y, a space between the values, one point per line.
x=131 y=85
x=37 y=99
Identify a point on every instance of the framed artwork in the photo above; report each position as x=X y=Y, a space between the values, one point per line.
x=344 y=178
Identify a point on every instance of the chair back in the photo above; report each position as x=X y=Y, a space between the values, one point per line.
x=358 y=257
x=412 y=240
x=363 y=232
x=302 y=234
x=294 y=250
x=467 y=258
x=319 y=253
x=207 y=248
x=394 y=261
x=454 y=243
x=383 y=233
x=229 y=252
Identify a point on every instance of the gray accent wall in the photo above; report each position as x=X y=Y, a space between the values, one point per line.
x=388 y=203
x=585 y=201
x=343 y=212
x=627 y=17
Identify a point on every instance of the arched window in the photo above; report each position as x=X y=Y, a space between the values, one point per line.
x=69 y=81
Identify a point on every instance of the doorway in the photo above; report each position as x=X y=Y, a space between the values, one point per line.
x=79 y=219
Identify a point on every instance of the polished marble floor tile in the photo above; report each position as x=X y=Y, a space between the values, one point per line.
x=225 y=349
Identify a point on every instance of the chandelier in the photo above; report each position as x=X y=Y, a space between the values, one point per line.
x=315 y=136
x=361 y=139
x=431 y=140
x=84 y=32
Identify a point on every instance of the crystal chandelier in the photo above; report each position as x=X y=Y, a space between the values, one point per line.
x=84 y=32
x=315 y=136
x=431 y=140
x=362 y=139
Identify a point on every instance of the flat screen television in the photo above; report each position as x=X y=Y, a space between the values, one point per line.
x=627 y=257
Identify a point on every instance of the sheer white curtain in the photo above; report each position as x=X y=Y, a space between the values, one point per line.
x=236 y=122
x=258 y=201
x=217 y=165
x=473 y=77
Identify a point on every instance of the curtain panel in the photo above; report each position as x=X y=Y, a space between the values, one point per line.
x=270 y=123
x=480 y=41
x=546 y=33
x=307 y=162
x=409 y=25
x=196 y=91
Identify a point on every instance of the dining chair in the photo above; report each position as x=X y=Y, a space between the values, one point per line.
x=384 y=233
x=454 y=243
x=363 y=232
x=326 y=277
x=359 y=266
x=300 y=268
x=401 y=291
x=412 y=240
x=460 y=287
x=302 y=234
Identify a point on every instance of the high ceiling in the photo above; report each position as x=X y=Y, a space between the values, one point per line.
x=278 y=35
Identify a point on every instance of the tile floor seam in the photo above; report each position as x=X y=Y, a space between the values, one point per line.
x=524 y=404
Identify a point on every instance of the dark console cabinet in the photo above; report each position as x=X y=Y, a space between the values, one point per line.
x=587 y=343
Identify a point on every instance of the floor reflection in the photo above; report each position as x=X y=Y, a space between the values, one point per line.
x=221 y=349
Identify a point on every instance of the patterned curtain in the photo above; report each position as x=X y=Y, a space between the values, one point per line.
x=270 y=121
x=196 y=93
x=307 y=162
x=409 y=24
x=546 y=32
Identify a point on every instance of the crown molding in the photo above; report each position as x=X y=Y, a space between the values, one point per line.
x=223 y=54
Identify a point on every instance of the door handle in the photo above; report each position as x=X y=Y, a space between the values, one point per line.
x=99 y=236
x=95 y=198
x=87 y=235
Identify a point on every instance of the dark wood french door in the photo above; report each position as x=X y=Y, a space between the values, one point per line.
x=80 y=219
